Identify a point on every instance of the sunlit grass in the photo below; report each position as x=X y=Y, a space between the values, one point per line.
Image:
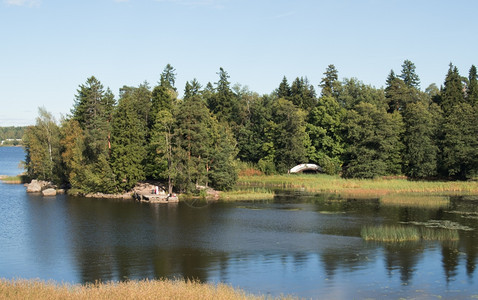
x=144 y=289
x=247 y=194
x=374 y=187
x=407 y=234
x=417 y=200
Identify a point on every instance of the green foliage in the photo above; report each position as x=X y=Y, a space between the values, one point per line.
x=453 y=90
x=325 y=130
x=355 y=128
x=409 y=76
x=284 y=89
x=42 y=147
x=329 y=83
x=472 y=88
x=460 y=141
x=11 y=135
x=128 y=140
x=374 y=145
x=420 y=139
x=289 y=137
x=302 y=94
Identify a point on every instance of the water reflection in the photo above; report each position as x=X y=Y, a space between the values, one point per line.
x=304 y=245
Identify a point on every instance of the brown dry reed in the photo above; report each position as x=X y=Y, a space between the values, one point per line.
x=144 y=289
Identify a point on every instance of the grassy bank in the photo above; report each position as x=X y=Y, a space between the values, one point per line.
x=145 y=289
x=11 y=179
x=358 y=187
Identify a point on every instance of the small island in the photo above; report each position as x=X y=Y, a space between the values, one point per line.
x=217 y=133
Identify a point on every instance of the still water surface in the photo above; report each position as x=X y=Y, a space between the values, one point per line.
x=304 y=245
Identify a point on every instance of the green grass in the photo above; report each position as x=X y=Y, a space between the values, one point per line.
x=360 y=187
x=407 y=234
x=415 y=200
x=246 y=194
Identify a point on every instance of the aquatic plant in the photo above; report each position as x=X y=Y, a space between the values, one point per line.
x=407 y=233
x=247 y=194
x=390 y=233
x=411 y=200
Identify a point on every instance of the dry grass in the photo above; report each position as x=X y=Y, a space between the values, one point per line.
x=144 y=289
x=371 y=187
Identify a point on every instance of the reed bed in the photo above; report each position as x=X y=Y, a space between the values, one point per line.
x=144 y=289
x=400 y=234
x=411 y=200
x=375 y=187
x=247 y=194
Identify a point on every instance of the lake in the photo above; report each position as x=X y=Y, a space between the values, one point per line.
x=301 y=244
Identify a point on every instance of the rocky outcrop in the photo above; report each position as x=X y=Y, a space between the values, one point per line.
x=49 y=192
x=36 y=186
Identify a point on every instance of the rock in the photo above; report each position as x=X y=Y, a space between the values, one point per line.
x=35 y=186
x=49 y=192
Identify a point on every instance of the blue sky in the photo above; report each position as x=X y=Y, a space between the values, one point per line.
x=49 y=47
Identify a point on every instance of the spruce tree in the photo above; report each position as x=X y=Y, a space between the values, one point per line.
x=373 y=142
x=284 y=90
x=409 y=76
x=329 y=82
x=420 y=140
x=128 y=142
x=472 y=88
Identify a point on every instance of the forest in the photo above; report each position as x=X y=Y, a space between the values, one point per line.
x=11 y=135
x=350 y=129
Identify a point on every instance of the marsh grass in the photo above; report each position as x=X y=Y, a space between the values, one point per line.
x=400 y=234
x=415 y=200
x=247 y=194
x=144 y=289
x=370 y=187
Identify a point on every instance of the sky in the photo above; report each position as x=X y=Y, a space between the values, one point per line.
x=50 y=47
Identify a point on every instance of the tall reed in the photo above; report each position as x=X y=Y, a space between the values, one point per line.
x=407 y=233
x=144 y=289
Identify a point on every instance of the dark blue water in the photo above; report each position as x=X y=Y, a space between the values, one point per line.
x=10 y=158
x=308 y=246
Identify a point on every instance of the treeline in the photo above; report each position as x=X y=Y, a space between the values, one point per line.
x=11 y=135
x=352 y=129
